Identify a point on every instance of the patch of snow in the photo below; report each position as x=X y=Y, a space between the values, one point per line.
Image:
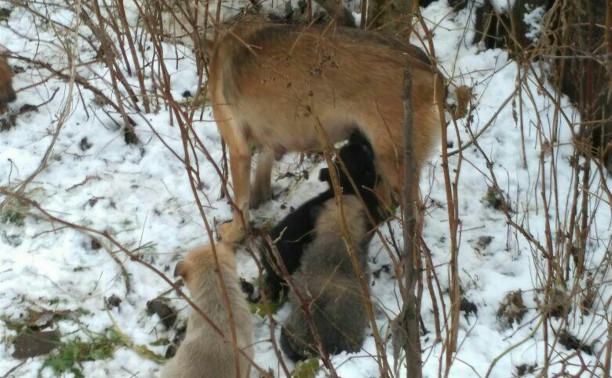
x=141 y=196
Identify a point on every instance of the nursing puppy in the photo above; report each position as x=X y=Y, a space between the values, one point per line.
x=330 y=286
x=293 y=234
x=204 y=353
x=289 y=88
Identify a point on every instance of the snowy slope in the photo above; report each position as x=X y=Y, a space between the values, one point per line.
x=140 y=194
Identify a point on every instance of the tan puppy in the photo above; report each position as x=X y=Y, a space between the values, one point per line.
x=204 y=353
x=7 y=93
x=278 y=85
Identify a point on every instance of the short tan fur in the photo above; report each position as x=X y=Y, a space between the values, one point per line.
x=204 y=353
x=274 y=85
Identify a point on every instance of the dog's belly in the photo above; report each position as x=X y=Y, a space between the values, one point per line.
x=290 y=129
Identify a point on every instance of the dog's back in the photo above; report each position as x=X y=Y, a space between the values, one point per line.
x=334 y=78
x=204 y=353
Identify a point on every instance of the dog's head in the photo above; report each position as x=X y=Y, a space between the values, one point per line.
x=200 y=262
x=358 y=158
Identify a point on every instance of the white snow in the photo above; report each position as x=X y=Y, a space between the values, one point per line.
x=140 y=195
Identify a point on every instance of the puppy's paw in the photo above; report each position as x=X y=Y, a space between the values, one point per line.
x=231 y=232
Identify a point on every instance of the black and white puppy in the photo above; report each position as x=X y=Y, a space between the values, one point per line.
x=296 y=231
x=327 y=287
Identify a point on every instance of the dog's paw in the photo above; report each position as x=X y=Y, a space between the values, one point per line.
x=231 y=232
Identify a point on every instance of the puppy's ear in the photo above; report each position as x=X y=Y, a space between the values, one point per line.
x=182 y=269
x=324 y=175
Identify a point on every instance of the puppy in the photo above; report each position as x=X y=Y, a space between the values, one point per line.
x=7 y=93
x=320 y=82
x=296 y=230
x=204 y=353
x=330 y=286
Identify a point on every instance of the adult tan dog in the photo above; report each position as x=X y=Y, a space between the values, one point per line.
x=288 y=88
x=204 y=353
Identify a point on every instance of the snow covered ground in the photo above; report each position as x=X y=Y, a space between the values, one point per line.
x=140 y=195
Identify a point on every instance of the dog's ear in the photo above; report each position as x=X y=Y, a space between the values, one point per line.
x=324 y=175
x=182 y=269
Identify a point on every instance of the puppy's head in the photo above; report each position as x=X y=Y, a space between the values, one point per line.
x=358 y=158
x=200 y=262
x=7 y=93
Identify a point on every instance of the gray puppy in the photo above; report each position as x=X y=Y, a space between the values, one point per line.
x=204 y=353
x=330 y=285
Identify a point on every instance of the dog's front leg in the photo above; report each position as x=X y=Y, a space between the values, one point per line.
x=240 y=167
x=234 y=231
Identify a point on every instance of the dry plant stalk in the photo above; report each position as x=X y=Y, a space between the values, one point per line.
x=452 y=203
x=406 y=333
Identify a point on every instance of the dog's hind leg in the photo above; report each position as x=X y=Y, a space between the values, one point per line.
x=261 y=189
